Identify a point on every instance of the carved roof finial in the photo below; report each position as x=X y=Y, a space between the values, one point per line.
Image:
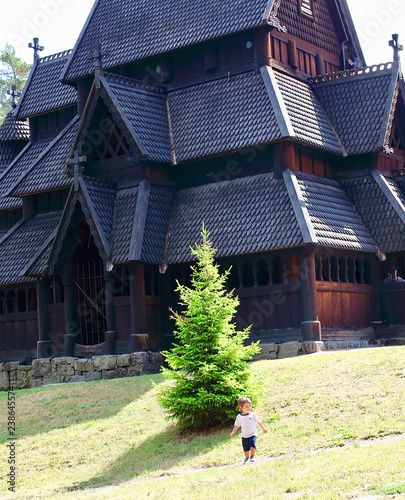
x=396 y=46
x=14 y=94
x=77 y=161
x=96 y=55
x=37 y=48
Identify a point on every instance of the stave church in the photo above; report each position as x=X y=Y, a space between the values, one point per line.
x=260 y=120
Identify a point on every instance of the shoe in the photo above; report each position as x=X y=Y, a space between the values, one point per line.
x=246 y=461
x=252 y=459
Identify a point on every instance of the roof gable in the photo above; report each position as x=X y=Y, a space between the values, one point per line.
x=95 y=198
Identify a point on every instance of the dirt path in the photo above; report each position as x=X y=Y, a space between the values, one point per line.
x=261 y=460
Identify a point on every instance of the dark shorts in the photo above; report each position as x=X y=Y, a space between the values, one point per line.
x=248 y=443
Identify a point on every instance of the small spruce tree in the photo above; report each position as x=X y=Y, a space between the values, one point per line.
x=208 y=367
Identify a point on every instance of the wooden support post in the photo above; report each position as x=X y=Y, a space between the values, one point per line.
x=262 y=47
x=137 y=291
x=292 y=54
x=44 y=344
x=72 y=329
x=310 y=326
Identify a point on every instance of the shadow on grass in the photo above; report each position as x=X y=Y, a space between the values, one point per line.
x=46 y=409
x=156 y=456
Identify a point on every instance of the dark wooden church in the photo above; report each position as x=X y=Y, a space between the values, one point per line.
x=258 y=118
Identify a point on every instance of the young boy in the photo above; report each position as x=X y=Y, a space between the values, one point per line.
x=247 y=420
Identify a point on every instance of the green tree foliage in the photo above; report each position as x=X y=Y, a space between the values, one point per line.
x=13 y=71
x=208 y=367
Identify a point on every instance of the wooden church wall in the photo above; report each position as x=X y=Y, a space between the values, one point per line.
x=392 y=299
x=347 y=306
x=19 y=333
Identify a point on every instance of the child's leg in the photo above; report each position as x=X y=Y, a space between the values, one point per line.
x=252 y=444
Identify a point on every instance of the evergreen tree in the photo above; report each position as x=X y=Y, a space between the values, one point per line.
x=208 y=367
x=13 y=71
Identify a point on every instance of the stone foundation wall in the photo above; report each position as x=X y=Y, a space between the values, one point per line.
x=68 y=370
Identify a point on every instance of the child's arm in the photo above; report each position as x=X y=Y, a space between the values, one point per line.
x=235 y=430
x=261 y=427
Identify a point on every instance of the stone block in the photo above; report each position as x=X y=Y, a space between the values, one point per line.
x=37 y=382
x=287 y=350
x=1 y=367
x=20 y=379
x=63 y=370
x=67 y=360
x=54 y=379
x=134 y=371
x=267 y=351
x=4 y=381
x=111 y=374
x=41 y=367
x=75 y=379
x=123 y=360
x=312 y=347
x=11 y=366
x=90 y=376
x=83 y=365
x=107 y=362
x=138 y=358
x=394 y=342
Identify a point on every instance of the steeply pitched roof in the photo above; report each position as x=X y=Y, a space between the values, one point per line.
x=145 y=112
x=381 y=205
x=334 y=220
x=100 y=196
x=25 y=242
x=47 y=171
x=17 y=168
x=309 y=122
x=14 y=130
x=43 y=90
x=247 y=215
x=157 y=224
x=129 y=31
x=223 y=115
x=358 y=103
x=123 y=223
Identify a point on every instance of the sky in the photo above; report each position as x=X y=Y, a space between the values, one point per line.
x=58 y=23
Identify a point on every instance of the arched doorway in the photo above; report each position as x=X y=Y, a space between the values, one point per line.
x=89 y=289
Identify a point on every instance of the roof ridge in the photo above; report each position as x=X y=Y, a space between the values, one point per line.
x=56 y=56
x=133 y=82
x=366 y=71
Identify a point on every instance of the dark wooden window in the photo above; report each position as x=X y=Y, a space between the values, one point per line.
x=293 y=268
x=277 y=271
x=11 y=301
x=2 y=303
x=248 y=279
x=263 y=276
x=334 y=274
x=32 y=299
x=233 y=278
x=342 y=270
x=325 y=268
x=350 y=271
x=21 y=301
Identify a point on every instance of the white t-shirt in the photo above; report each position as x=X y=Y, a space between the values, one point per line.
x=247 y=423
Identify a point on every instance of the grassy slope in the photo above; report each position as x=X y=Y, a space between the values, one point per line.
x=75 y=440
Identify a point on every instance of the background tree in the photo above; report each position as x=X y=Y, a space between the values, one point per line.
x=209 y=366
x=13 y=71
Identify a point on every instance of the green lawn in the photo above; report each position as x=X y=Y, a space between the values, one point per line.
x=336 y=430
